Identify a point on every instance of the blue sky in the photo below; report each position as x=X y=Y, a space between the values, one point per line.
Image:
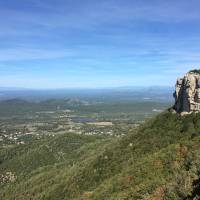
x=93 y=43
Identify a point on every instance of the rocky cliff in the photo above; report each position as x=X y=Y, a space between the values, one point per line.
x=187 y=93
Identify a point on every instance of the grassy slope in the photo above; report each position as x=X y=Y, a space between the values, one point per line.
x=160 y=159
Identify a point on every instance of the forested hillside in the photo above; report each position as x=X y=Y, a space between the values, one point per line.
x=158 y=160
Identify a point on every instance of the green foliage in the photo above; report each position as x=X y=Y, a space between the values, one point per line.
x=158 y=160
x=197 y=71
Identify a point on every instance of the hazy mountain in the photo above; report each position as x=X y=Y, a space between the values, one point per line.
x=158 y=93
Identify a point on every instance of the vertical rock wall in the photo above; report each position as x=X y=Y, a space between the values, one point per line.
x=187 y=93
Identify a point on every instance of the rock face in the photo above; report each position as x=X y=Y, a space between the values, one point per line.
x=187 y=93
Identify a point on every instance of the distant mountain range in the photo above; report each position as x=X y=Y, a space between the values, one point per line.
x=127 y=93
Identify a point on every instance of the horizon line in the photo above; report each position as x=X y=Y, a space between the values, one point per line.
x=83 y=88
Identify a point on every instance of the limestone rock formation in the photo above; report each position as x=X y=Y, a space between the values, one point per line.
x=187 y=93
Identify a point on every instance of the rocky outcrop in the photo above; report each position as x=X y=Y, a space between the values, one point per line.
x=187 y=93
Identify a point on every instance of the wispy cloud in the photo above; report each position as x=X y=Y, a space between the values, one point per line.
x=75 y=14
x=32 y=54
x=105 y=38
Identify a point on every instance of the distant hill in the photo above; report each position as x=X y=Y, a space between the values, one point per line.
x=17 y=106
x=127 y=93
x=14 y=102
x=159 y=160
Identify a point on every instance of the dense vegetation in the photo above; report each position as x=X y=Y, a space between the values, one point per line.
x=158 y=160
x=197 y=71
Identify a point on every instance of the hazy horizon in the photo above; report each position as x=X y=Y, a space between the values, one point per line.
x=88 y=88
